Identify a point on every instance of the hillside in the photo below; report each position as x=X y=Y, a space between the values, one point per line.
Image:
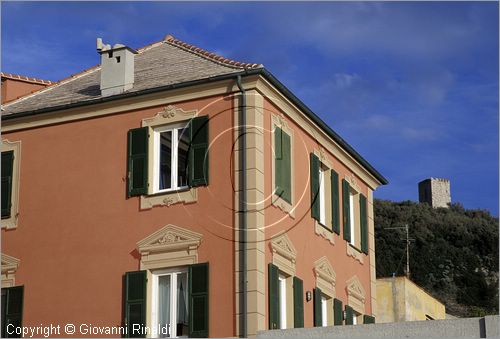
x=453 y=255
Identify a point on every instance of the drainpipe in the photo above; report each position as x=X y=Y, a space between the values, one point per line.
x=243 y=206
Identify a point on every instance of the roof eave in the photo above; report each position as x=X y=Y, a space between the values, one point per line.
x=245 y=72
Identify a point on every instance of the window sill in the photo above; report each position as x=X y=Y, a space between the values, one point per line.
x=183 y=195
x=9 y=223
x=324 y=231
x=170 y=191
x=283 y=205
x=354 y=252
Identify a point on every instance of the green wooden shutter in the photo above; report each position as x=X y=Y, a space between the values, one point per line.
x=298 y=302
x=135 y=303
x=338 y=315
x=278 y=161
x=286 y=181
x=346 y=210
x=7 y=169
x=198 y=300
x=198 y=152
x=349 y=315
x=368 y=319
x=363 y=223
x=13 y=311
x=138 y=161
x=335 y=201
x=273 y=281
x=282 y=162
x=314 y=186
x=318 y=318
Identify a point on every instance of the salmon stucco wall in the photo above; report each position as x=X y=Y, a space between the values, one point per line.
x=13 y=89
x=400 y=299
x=77 y=231
x=299 y=226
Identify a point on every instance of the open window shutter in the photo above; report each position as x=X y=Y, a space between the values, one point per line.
x=198 y=300
x=7 y=166
x=335 y=201
x=13 y=311
x=349 y=314
x=363 y=223
x=314 y=186
x=273 y=280
x=346 y=210
x=135 y=302
x=282 y=171
x=368 y=319
x=337 y=312
x=318 y=318
x=137 y=161
x=286 y=168
x=278 y=161
x=198 y=152
x=298 y=302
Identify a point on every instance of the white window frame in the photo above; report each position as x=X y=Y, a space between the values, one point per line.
x=174 y=129
x=322 y=197
x=324 y=311
x=282 y=301
x=355 y=316
x=173 y=272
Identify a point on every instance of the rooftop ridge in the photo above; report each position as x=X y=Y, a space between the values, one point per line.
x=53 y=85
x=75 y=76
x=27 y=79
x=209 y=55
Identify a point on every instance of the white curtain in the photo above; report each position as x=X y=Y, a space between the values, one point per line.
x=164 y=309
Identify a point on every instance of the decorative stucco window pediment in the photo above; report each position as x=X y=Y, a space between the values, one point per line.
x=325 y=276
x=9 y=268
x=170 y=246
x=169 y=115
x=356 y=294
x=284 y=253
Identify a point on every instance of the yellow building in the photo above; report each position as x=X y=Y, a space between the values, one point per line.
x=400 y=299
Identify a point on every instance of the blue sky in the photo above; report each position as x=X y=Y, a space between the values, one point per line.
x=412 y=86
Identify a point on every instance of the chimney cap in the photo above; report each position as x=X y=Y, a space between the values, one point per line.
x=102 y=48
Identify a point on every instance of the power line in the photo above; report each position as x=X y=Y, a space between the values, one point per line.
x=408 y=240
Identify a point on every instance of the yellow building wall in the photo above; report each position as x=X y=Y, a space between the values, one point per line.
x=400 y=299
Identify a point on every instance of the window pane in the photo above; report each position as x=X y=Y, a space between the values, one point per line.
x=324 y=312
x=282 y=296
x=165 y=170
x=182 y=305
x=182 y=157
x=164 y=305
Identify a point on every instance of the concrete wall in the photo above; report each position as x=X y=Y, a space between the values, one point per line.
x=486 y=327
x=400 y=299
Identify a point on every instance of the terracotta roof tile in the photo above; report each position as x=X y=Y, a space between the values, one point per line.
x=209 y=55
x=162 y=63
x=25 y=78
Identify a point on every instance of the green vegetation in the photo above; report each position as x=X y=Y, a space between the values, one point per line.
x=453 y=254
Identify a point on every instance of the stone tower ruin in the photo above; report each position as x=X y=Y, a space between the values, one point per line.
x=435 y=192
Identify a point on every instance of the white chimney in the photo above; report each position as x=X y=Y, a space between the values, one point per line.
x=117 y=68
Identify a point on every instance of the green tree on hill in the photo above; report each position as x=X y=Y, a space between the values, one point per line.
x=453 y=253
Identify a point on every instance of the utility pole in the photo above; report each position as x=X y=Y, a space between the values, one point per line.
x=408 y=240
x=407 y=251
